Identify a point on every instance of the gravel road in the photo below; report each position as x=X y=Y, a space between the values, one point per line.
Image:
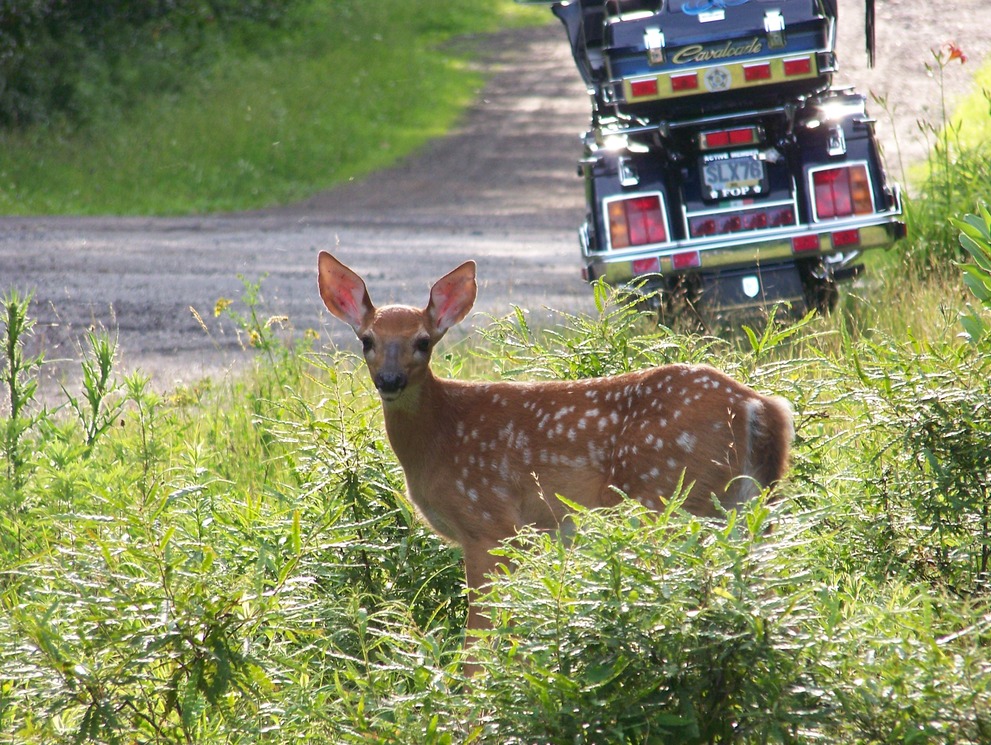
x=501 y=189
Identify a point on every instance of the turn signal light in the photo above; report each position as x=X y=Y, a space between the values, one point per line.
x=637 y=221
x=842 y=192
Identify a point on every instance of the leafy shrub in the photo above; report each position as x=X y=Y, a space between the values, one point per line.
x=66 y=59
x=234 y=563
x=975 y=238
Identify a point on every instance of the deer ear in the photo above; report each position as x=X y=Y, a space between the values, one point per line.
x=343 y=292
x=451 y=297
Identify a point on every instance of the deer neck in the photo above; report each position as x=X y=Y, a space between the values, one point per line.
x=411 y=421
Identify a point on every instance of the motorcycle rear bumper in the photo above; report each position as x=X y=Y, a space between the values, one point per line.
x=713 y=255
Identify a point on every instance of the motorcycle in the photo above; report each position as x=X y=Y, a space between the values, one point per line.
x=721 y=167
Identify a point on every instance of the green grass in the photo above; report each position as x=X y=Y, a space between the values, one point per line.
x=338 y=90
x=234 y=562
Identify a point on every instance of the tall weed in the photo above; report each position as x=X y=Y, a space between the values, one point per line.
x=236 y=563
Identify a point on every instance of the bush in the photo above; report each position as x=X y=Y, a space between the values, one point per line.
x=233 y=563
x=67 y=58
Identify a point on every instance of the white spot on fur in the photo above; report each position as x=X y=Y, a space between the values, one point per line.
x=686 y=441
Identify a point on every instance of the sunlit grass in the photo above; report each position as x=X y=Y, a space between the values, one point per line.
x=324 y=99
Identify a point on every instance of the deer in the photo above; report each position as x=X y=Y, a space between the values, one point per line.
x=484 y=460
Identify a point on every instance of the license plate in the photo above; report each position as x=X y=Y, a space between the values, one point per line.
x=738 y=174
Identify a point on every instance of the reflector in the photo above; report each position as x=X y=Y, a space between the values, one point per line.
x=712 y=140
x=759 y=71
x=743 y=136
x=846 y=238
x=686 y=260
x=800 y=66
x=646 y=266
x=641 y=88
x=686 y=82
x=805 y=243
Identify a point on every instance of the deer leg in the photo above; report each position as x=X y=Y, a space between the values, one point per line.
x=479 y=563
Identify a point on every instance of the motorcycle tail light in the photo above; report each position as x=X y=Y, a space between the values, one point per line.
x=782 y=217
x=637 y=221
x=688 y=81
x=686 y=260
x=641 y=88
x=805 y=243
x=729 y=138
x=843 y=238
x=759 y=71
x=800 y=66
x=842 y=192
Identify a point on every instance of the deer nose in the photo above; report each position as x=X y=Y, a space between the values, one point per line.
x=390 y=382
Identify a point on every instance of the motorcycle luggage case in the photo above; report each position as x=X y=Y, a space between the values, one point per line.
x=670 y=59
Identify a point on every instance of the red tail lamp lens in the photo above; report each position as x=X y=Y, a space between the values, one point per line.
x=805 y=243
x=643 y=88
x=647 y=266
x=685 y=82
x=686 y=260
x=842 y=192
x=636 y=222
x=800 y=66
x=761 y=71
x=846 y=238
x=712 y=140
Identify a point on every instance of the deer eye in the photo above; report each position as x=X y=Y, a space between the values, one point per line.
x=422 y=344
x=367 y=343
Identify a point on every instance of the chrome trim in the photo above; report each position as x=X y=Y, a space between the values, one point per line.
x=774 y=27
x=628 y=176
x=765 y=246
x=653 y=42
x=836 y=141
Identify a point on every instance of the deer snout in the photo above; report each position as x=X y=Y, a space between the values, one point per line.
x=390 y=384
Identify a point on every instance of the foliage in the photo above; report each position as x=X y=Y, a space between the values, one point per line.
x=71 y=59
x=975 y=238
x=17 y=377
x=956 y=175
x=234 y=562
x=219 y=106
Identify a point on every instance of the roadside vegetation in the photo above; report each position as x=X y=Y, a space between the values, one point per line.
x=194 y=106
x=233 y=562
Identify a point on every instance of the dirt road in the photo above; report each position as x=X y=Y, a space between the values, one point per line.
x=500 y=189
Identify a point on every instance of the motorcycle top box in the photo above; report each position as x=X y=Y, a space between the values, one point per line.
x=668 y=59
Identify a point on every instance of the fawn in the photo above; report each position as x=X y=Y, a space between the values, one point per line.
x=482 y=460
